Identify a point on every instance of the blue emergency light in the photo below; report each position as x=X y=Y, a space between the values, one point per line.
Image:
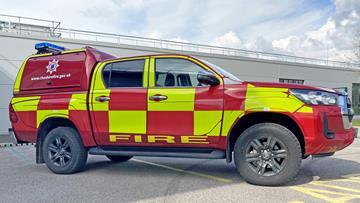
x=45 y=47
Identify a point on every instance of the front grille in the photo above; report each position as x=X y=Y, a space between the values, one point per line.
x=346 y=111
x=343 y=104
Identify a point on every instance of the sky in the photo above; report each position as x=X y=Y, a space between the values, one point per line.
x=310 y=28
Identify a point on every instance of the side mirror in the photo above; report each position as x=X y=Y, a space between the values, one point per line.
x=207 y=78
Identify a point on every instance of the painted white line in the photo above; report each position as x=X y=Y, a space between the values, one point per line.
x=219 y=179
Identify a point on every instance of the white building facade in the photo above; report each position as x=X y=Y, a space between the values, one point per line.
x=17 y=40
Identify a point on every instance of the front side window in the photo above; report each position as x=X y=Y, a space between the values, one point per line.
x=124 y=74
x=175 y=72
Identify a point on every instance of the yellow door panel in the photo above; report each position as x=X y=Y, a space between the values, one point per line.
x=133 y=122
x=205 y=122
x=178 y=99
x=97 y=105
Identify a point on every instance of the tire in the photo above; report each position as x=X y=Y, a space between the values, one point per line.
x=118 y=158
x=63 y=151
x=268 y=164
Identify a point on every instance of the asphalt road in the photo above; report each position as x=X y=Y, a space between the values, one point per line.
x=333 y=179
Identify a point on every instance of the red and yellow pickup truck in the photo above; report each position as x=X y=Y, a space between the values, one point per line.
x=72 y=103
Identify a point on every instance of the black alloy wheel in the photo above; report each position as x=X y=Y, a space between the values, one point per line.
x=60 y=152
x=63 y=151
x=266 y=156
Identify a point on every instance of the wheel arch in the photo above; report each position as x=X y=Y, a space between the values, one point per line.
x=45 y=127
x=253 y=118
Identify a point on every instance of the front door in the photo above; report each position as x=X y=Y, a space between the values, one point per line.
x=181 y=111
x=118 y=101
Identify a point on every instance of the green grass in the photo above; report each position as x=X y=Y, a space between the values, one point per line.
x=356 y=122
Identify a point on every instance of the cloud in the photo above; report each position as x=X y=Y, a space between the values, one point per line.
x=229 y=39
x=232 y=40
x=301 y=27
x=154 y=34
x=333 y=40
x=179 y=39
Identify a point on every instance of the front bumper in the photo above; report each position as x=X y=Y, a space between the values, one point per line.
x=326 y=130
x=339 y=142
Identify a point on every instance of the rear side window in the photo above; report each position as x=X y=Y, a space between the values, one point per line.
x=65 y=70
x=124 y=74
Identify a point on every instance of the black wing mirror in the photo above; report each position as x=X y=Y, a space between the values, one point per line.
x=208 y=78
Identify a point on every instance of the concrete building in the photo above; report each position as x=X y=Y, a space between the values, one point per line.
x=17 y=40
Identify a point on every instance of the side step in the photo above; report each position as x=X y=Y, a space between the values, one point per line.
x=159 y=152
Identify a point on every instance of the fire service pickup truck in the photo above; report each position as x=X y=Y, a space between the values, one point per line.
x=72 y=103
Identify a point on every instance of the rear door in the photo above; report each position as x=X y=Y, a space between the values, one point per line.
x=181 y=111
x=118 y=101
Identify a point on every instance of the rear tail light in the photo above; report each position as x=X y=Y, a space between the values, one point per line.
x=12 y=114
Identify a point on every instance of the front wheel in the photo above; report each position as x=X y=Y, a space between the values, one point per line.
x=267 y=154
x=63 y=151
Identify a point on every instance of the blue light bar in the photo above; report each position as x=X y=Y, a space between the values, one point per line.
x=45 y=47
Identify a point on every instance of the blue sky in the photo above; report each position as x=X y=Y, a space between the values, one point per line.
x=308 y=28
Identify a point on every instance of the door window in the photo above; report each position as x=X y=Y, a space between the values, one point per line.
x=124 y=74
x=174 y=72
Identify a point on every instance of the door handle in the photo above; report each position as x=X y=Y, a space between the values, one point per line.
x=102 y=98
x=158 y=97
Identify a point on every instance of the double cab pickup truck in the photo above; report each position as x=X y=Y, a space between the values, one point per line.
x=72 y=103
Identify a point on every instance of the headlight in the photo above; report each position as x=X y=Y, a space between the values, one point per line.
x=315 y=97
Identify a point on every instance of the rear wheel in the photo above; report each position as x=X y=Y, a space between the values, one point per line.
x=63 y=151
x=267 y=154
x=118 y=158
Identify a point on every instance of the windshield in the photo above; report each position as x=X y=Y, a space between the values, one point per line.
x=220 y=70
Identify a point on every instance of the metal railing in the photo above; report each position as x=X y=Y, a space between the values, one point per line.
x=25 y=25
x=56 y=31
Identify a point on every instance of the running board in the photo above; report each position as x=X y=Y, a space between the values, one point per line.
x=159 y=152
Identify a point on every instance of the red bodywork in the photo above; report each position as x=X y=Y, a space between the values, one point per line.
x=313 y=130
x=80 y=65
x=223 y=97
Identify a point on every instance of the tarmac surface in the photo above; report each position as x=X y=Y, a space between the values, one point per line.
x=332 y=179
